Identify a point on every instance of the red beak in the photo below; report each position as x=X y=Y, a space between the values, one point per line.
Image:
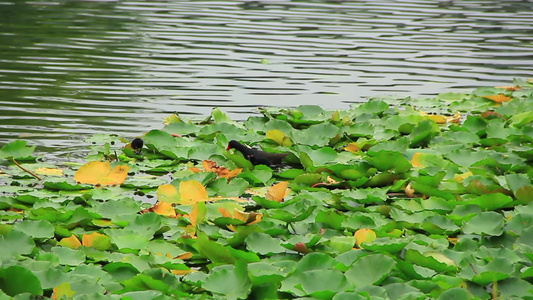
x=227 y=148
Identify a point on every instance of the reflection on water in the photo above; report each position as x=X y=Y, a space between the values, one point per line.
x=71 y=68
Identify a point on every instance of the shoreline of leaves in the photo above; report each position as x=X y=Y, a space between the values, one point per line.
x=382 y=201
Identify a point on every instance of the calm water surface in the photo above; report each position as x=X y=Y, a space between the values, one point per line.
x=72 y=68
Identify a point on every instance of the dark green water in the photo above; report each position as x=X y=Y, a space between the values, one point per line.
x=72 y=68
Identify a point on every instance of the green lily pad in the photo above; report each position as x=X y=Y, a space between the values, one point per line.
x=370 y=270
x=15 y=280
x=485 y=223
x=17 y=150
x=229 y=281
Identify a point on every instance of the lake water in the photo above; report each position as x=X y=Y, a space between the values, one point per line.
x=72 y=68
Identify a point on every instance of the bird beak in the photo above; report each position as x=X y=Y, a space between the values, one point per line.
x=227 y=148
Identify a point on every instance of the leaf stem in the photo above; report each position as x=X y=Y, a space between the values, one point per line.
x=25 y=170
x=495 y=290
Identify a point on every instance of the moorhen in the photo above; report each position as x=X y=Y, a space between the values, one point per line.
x=137 y=145
x=257 y=157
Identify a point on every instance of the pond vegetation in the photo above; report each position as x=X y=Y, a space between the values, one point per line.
x=395 y=198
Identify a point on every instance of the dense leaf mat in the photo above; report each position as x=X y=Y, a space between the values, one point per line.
x=396 y=198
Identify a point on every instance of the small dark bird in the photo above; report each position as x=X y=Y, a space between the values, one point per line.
x=137 y=145
x=257 y=157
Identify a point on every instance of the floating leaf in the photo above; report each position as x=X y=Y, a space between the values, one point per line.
x=263 y=244
x=100 y=173
x=49 y=171
x=369 y=270
x=96 y=240
x=486 y=223
x=163 y=208
x=16 y=150
x=352 y=147
x=198 y=213
x=498 y=98
x=71 y=242
x=211 y=166
x=62 y=290
x=231 y=282
x=364 y=235
x=278 y=191
x=192 y=191
x=279 y=137
x=168 y=193
x=16 y=280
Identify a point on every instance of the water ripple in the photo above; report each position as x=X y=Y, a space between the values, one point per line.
x=69 y=68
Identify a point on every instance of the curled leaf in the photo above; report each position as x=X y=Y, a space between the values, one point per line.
x=211 y=166
x=352 y=147
x=409 y=191
x=279 y=137
x=197 y=214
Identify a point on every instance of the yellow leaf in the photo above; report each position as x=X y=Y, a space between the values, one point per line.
x=364 y=235
x=254 y=218
x=352 y=147
x=49 y=171
x=224 y=212
x=191 y=191
x=184 y=256
x=241 y=215
x=455 y=118
x=62 y=290
x=498 y=98
x=97 y=172
x=171 y=119
x=415 y=160
x=279 y=137
x=461 y=177
x=509 y=87
x=437 y=119
x=164 y=209
x=71 y=242
x=211 y=166
x=197 y=214
x=96 y=240
x=278 y=191
x=167 y=193
x=180 y=272
x=453 y=240
x=194 y=170
x=87 y=239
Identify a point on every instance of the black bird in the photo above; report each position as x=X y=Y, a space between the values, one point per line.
x=137 y=145
x=257 y=157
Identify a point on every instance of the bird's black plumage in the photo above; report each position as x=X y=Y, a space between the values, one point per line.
x=255 y=156
x=137 y=144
